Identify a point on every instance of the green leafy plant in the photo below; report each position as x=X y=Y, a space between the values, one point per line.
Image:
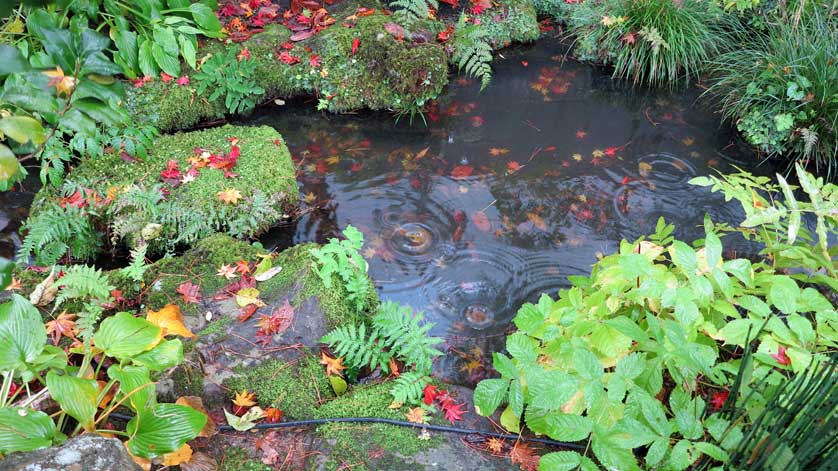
x=342 y=258
x=472 y=51
x=656 y=42
x=396 y=333
x=410 y=11
x=137 y=347
x=630 y=356
x=55 y=231
x=779 y=87
x=231 y=77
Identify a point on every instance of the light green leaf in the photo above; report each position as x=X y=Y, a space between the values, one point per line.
x=504 y=365
x=712 y=451
x=22 y=334
x=166 y=61
x=9 y=166
x=26 y=430
x=566 y=461
x=187 y=49
x=136 y=381
x=510 y=420
x=23 y=129
x=558 y=425
x=76 y=396
x=163 y=429
x=164 y=355
x=713 y=249
x=123 y=336
x=735 y=332
x=488 y=395
x=610 y=454
x=587 y=364
x=657 y=451
x=338 y=385
x=549 y=389
x=784 y=293
x=146 y=61
x=206 y=19
x=522 y=347
x=684 y=257
x=794 y=210
x=802 y=329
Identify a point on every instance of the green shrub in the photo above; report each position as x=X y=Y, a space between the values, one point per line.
x=649 y=41
x=642 y=352
x=230 y=77
x=780 y=87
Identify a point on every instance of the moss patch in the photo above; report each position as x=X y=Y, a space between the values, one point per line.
x=265 y=178
x=238 y=459
x=384 y=72
x=511 y=21
x=296 y=388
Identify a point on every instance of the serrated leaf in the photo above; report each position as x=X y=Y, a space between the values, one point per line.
x=489 y=394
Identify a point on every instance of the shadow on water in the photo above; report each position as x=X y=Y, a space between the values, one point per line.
x=506 y=192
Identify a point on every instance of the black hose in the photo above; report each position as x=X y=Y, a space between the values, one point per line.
x=400 y=423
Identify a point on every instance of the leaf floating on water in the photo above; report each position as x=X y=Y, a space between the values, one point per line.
x=462 y=171
x=644 y=168
x=537 y=221
x=481 y=221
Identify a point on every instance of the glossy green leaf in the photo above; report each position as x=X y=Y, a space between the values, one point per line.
x=22 y=334
x=510 y=420
x=76 y=396
x=163 y=429
x=26 y=430
x=136 y=381
x=166 y=61
x=9 y=166
x=489 y=394
x=566 y=461
x=206 y=19
x=188 y=50
x=145 y=59
x=123 y=336
x=559 y=426
x=166 y=354
x=23 y=129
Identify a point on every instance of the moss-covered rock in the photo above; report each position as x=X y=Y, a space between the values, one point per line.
x=133 y=206
x=384 y=72
x=511 y=21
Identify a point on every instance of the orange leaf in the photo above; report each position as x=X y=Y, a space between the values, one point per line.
x=495 y=445
x=537 y=221
x=62 y=326
x=230 y=196
x=181 y=455
x=170 y=320
x=244 y=399
x=525 y=456
x=496 y=151
x=333 y=365
x=416 y=415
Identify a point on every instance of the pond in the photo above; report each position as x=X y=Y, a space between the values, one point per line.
x=504 y=193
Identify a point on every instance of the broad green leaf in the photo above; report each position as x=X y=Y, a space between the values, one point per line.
x=504 y=365
x=127 y=47
x=11 y=60
x=9 y=166
x=338 y=384
x=23 y=129
x=510 y=420
x=516 y=397
x=530 y=319
x=26 y=430
x=558 y=425
x=740 y=268
x=549 y=389
x=145 y=58
x=713 y=249
x=22 y=334
x=489 y=394
x=657 y=451
x=163 y=429
x=631 y=365
x=736 y=332
x=566 y=461
x=136 y=381
x=522 y=347
x=587 y=364
x=712 y=450
x=769 y=215
x=684 y=257
x=123 y=336
x=164 y=355
x=187 y=49
x=76 y=396
x=610 y=454
x=802 y=329
x=206 y=19
x=166 y=61
x=681 y=456
x=783 y=293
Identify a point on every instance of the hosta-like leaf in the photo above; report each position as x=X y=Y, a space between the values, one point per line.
x=26 y=430
x=76 y=396
x=124 y=335
x=166 y=354
x=22 y=334
x=135 y=380
x=163 y=429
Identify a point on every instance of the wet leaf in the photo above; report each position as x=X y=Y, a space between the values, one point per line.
x=190 y=292
x=454 y=412
x=644 y=168
x=177 y=457
x=496 y=151
x=333 y=365
x=524 y=456
x=244 y=399
x=247 y=296
x=170 y=320
x=537 y=221
x=462 y=171
x=481 y=221
x=356 y=43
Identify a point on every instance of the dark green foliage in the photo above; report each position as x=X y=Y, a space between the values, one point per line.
x=410 y=11
x=54 y=232
x=232 y=78
x=407 y=388
x=396 y=332
x=472 y=51
x=780 y=87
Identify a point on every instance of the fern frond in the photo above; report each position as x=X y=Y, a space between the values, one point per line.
x=83 y=282
x=55 y=231
x=87 y=319
x=356 y=348
x=407 y=388
x=400 y=331
x=472 y=51
x=409 y=11
x=137 y=268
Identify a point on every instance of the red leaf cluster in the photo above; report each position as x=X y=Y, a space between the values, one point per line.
x=241 y=19
x=246 y=281
x=276 y=323
x=453 y=411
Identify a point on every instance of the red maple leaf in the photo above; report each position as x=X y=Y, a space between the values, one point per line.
x=314 y=61
x=355 y=44
x=278 y=322
x=513 y=166
x=246 y=312
x=719 y=399
x=454 y=412
x=430 y=392
x=611 y=151
x=781 y=356
x=461 y=171
x=243 y=267
x=246 y=281
x=189 y=291
x=225 y=162
x=172 y=174
x=629 y=38
x=287 y=58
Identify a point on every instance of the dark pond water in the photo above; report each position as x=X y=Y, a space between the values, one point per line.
x=506 y=192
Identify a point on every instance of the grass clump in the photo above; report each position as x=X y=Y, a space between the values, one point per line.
x=654 y=42
x=780 y=87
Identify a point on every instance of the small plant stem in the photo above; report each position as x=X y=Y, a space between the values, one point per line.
x=7 y=385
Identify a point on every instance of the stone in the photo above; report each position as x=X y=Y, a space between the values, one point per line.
x=83 y=453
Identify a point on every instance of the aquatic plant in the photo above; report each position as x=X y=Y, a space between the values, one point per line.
x=591 y=365
x=656 y=42
x=779 y=87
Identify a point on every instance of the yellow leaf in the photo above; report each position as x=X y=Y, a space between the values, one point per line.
x=63 y=84
x=179 y=456
x=230 y=195
x=597 y=153
x=247 y=296
x=333 y=365
x=644 y=168
x=170 y=320
x=244 y=399
x=309 y=198
x=333 y=159
x=144 y=463
x=416 y=415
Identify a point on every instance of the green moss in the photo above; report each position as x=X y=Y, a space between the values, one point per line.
x=296 y=388
x=511 y=21
x=384 y=73
x=188 y=382
x=198 y=265
x=238 y=459
x=265 y=178
x=354 y=442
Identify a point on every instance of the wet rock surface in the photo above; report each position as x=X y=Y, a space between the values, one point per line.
x=82 y=453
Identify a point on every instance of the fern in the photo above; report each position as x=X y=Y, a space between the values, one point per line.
x=55 y=232
x=83 y=282
x=409 y=11
x=87 y=319
x=472 y=51
x=407 y=388
x=357 y=348
x=137 y=268
x=342 y=257
x=401 y=332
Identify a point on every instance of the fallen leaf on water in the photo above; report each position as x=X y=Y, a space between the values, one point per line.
x=644 y=168
x=581 y=134
x=309 y=198
x=170 y=319
x=462 y=171
x=537 y=221
x=481 y=221
x=333 y=365
x=513 y=166
x=189 y=291
x=688 y=141
x=496 y=151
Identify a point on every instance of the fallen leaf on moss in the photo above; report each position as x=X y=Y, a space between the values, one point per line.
x=170 y=319
x=230 y=196
x=227 y=271
x=273 y=415
x=333 y=365
x=246 y=421
x=247 y=296
x=417 y=415
x=191 y=292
